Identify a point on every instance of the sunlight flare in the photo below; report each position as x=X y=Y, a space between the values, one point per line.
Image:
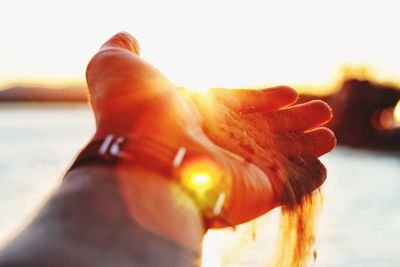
x=396 y=113
x=200 y=175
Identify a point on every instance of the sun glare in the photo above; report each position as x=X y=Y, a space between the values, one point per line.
x=396 y=113
x=202 y=179
x=198 y=88
x=200 y=175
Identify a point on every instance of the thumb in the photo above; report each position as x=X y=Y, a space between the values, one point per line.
x=118 y=77
x=122 y=40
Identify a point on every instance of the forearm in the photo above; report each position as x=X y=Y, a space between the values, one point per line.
x=89 y=222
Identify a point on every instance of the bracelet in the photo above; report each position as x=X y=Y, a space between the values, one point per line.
x=198 y=174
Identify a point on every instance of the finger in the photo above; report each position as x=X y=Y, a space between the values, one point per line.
x=300 y=117
x=122 y=40
x=314 y=143
x=323 y=140
x=246 y=100
x=304 y=175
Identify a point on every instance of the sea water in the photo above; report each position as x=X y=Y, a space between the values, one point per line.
x=359 y=225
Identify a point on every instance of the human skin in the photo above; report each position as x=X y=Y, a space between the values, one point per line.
x=129 y=96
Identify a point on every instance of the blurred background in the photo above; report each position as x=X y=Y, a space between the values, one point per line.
x=344 y=52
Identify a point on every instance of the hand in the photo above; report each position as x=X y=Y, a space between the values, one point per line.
x=128 y=95
x=261 y=126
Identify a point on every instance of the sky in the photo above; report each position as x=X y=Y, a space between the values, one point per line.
x=203 y=44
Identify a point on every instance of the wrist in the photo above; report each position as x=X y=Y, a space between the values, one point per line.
x=156 y=182
x=155 y=202
x=194 y=169
x=160 y=204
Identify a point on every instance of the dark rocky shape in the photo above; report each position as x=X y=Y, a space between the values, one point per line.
x=38 y=94
x=357 y=107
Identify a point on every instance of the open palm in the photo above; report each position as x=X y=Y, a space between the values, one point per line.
x=130 y=96
x=284 y=141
